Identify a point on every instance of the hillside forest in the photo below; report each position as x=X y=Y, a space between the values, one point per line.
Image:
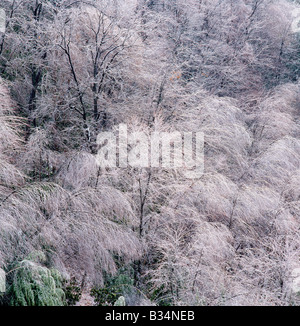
x=74 y=232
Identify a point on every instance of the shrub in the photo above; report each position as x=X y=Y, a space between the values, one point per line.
x=36 y=285
x=115 y=287
x=72 y=291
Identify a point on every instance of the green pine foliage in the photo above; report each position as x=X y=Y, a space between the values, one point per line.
x=36 y=285
x=115 y=287
x=72 y=291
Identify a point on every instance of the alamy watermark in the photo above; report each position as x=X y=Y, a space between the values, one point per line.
x=167 y=150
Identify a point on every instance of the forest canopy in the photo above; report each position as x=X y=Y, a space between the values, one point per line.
x=75 y=233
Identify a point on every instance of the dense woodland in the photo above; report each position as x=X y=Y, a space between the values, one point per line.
x=72 y=232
